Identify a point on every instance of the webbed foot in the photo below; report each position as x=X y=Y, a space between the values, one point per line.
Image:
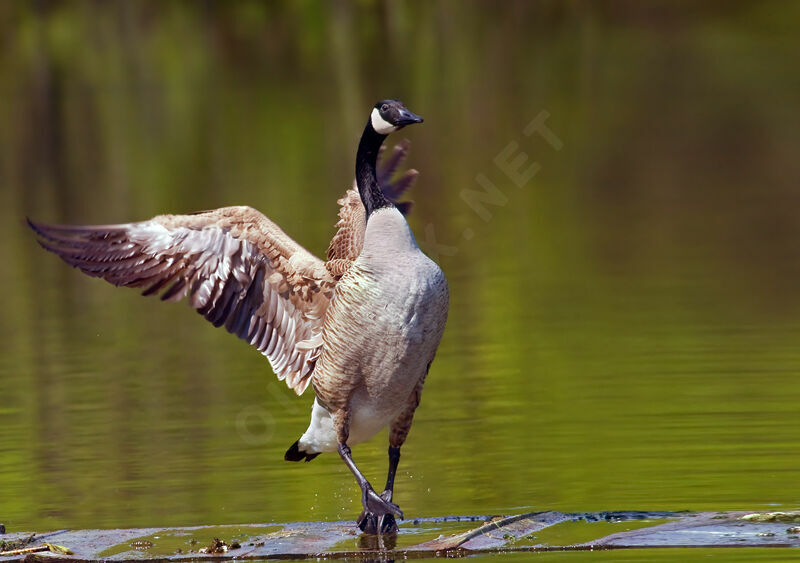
x=378 y=516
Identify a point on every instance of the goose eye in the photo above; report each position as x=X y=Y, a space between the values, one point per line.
x=385 y=107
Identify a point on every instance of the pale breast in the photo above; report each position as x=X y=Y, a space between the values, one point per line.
x=381 y=331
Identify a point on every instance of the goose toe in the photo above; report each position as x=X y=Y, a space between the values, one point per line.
x=378 y=516
x=372 y=524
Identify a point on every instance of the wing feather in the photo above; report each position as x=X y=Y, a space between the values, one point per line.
x=237 y=268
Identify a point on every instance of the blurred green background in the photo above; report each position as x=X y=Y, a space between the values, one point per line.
x=624 y=325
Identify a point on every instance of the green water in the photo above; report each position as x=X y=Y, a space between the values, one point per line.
x=624 y=322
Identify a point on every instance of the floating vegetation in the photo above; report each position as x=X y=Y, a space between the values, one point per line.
x=218 y=546
x=785 y=517
x=182 y=541
x=15 y=544
x=36 y=549
x=534 y=531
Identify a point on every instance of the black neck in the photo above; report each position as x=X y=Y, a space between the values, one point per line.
x=366 y=179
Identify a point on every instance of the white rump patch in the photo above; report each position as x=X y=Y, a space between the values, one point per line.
x=320 y=436
x=380 y=124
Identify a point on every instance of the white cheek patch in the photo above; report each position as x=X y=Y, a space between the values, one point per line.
x=380 y=124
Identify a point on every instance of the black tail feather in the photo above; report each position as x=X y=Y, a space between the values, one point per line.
x=294 y=453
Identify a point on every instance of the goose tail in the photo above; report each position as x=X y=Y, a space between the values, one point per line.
x=294 y=453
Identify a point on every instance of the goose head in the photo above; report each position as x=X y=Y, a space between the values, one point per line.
x=390 y=115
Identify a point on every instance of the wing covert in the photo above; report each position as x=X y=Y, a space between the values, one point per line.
x=237 y=268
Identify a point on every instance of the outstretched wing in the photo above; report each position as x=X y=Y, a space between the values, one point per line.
x=238 y=269
x=349 y=238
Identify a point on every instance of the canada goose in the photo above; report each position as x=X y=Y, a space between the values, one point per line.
x=361 y=328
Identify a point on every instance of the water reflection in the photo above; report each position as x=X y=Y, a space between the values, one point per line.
x=623 y=330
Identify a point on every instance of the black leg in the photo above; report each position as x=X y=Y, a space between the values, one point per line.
x=394 y=459
x=376 y=508
x=388 y=525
